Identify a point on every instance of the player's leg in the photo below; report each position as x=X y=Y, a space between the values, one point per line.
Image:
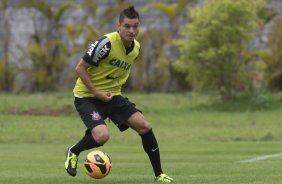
x=99 y=135
x=126 y=115
x=96 y=135
x=138 y=123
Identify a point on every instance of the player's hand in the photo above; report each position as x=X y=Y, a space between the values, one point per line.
x=104 y=96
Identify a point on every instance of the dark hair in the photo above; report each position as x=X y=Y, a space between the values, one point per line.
x=129 y=12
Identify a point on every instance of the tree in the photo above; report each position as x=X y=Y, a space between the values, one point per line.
x=159 y=51
x=87 y=27
x=272 y=57
x=6 y=71
x=47 y=50
x=212 y=50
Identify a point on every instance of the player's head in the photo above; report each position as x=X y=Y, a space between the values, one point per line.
x=128 y=26
x=129 y=12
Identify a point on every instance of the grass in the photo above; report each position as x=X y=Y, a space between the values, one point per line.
x=197 y=163
x=202 y=140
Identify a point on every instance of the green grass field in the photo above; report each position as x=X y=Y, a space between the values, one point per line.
x=202 y=140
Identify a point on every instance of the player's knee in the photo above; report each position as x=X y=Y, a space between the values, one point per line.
x=146 y=127
x=102 y=137
x=100 y=134
x=138 y=123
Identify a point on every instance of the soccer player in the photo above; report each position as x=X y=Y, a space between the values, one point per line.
x=102 y=71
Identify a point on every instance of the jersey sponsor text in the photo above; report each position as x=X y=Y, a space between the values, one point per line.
x=120 y=64
x=91 y=48
x=104 y=50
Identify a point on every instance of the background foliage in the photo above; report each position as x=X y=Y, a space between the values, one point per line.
x=272 y=57
x=213 y=43
x=212 y=52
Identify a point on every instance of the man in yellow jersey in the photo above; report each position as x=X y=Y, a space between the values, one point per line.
x=102 y=71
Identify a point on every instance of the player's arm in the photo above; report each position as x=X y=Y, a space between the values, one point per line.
x=81 y=70
x=96 y=52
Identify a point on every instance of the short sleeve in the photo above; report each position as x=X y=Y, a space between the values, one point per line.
x=97 y=51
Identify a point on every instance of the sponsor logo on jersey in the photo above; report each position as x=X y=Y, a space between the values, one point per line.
x=91 y=48
x=103 y=51
x=120 y=64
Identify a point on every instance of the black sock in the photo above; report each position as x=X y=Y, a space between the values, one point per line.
x=150 y=146
x=87 y=142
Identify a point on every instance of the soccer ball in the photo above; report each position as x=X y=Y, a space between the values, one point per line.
x=97 y=164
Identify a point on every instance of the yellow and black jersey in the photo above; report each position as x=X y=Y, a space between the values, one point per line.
x=111 y=63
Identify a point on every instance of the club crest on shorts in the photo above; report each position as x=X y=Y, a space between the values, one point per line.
x=95 y=116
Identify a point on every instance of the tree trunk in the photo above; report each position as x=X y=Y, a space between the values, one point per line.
x=6 y=39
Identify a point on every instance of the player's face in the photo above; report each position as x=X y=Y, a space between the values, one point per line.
x=128 y=29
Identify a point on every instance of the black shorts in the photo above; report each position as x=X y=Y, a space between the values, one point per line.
x=93 y=112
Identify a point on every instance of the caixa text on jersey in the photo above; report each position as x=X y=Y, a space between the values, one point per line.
x=120 y=64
